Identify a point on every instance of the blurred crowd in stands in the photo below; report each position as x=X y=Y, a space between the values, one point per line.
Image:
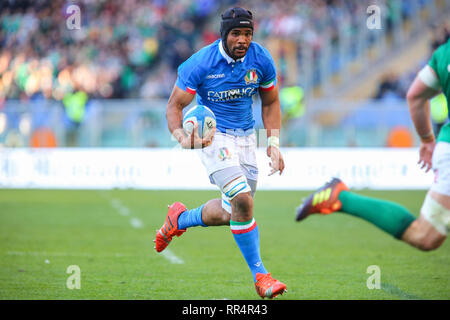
x=395 y=86
x=118 y=45
x=131 y=49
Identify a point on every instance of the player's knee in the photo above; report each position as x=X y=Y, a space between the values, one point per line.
x=224 y=217
x=429 y=244
x=243 y=205
x=434 y=224
x=428 y=241
x=239 y=194
x=220 y=219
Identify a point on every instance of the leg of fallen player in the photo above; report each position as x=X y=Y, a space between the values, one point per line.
x=426 y=233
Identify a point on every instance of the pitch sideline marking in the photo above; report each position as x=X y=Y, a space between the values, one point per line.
x=137 y=223
x=169 y=255
x=391 y=289
x=122 y=210
x=66 y=254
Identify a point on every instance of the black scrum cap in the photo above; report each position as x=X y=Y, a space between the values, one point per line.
x=235 y=18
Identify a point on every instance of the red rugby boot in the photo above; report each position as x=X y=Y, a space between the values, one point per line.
x=268 y=287
x=170 y=227
x=325 y=200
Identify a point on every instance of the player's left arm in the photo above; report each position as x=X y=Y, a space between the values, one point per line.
x=424 y=87
x=271 y=116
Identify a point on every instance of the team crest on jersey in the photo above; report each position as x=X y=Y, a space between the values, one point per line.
x=224 y=153
x=251 y=76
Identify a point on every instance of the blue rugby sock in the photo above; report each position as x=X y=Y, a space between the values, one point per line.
x=246 y=235
x=191 y=218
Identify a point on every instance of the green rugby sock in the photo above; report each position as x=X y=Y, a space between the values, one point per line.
x=388 y=216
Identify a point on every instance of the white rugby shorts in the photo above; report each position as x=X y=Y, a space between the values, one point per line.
x=229 y=151
x=441 y=168
x=236 y=153
x=432 y=211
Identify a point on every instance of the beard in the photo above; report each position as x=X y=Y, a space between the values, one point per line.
x=238 y=52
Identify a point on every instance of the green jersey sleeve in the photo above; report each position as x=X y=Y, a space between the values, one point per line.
x=440 y=63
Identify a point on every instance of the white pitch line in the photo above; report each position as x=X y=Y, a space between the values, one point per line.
x=136 y=223
x=123 y=210
x=169 y=255
x=65 y=254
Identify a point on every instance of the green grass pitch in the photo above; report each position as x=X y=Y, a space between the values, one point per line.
x=109 y=234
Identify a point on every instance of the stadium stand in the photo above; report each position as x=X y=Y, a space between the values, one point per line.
x=132 y=52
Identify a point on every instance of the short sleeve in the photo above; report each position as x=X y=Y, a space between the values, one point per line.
x=433 y=63
x=439 y=63
x=188 y=78
x=269 y=78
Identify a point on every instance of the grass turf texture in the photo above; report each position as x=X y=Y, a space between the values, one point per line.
x=42 y=232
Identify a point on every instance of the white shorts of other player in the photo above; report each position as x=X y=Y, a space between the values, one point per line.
x=434 y=212
x=441 y=168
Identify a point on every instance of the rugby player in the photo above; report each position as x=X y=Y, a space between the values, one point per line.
x=430 y=229
x=225 y=75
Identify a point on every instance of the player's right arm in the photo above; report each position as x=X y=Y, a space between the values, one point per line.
x=178 y=100
x=420 y=92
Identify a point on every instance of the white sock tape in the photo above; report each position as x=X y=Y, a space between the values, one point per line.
x=226 y=205
x=436 y=214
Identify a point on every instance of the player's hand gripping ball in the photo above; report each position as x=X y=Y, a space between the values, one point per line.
x=201 y=115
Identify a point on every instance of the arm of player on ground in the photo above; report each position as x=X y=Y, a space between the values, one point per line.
x=424 y=87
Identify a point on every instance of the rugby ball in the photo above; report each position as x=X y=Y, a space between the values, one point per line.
x=203 y=116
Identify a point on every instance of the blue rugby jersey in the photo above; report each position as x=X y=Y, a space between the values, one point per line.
x=227 y=86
